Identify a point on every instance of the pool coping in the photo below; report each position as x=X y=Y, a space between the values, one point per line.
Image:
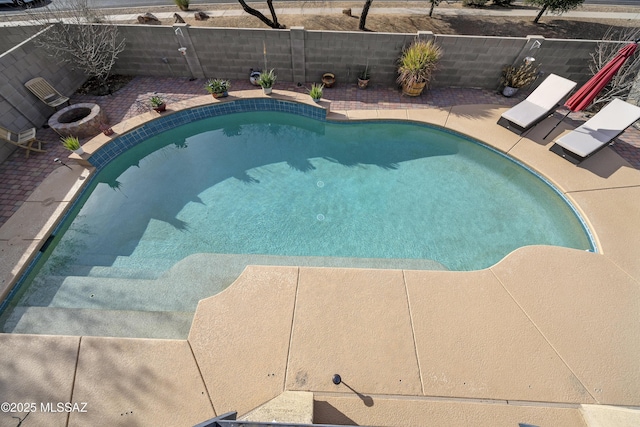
x=599 y=183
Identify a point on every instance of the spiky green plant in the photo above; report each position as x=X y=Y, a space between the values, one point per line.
x=418 y=62
x=71 y=143
x=267 y=79
x=316 y=91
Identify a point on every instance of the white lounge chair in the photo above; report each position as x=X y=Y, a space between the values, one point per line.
x=539 y=105
x=597 y=132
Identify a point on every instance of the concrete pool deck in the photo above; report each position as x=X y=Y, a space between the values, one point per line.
x=548 y=336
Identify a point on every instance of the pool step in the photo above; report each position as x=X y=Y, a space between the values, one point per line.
x=149 y=273
x=197 y=276
x=110 y=323
x=92 y=261
x=117 y=293
x=126 y=299
x=223 y=268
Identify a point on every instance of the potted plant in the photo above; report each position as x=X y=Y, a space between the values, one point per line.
x=158 y=104
x=416 y=66
x=316 y=91
x=515 y=77
x=72 y=143
x=363 y=78
x=218 y=88
x=266 y=81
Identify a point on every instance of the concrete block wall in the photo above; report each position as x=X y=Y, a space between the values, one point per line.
x=303 y=56
x=146 y=46
x=230 y=53
x=567 y=58
x=469 y=61
x=345 y=54
x=19 y=108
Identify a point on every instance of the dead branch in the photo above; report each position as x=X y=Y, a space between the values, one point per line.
x=79 y=36
x=623 y=82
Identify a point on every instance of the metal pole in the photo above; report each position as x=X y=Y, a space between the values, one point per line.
x=554 y=128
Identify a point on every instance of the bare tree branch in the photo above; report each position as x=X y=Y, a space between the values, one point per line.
x=274 y=17
x=271 y=23
x=623 y=82
x=362 y=25
x=79 y=36
x=434 y=3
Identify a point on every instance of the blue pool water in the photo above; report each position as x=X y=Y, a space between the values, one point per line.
x=285 y=185
x=293 y=188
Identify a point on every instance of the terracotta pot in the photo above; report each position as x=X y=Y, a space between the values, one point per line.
x=160 y=108
x=362 y=84
x=220 y=95
x=328 y=79
x=413 y=90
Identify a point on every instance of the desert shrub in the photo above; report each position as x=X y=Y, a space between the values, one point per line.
x=182 y=4
x=474 y=3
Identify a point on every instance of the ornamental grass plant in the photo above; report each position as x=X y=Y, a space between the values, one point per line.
x=519 y=76
x=418 y=62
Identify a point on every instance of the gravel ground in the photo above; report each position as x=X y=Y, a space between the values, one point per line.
x=550 y=26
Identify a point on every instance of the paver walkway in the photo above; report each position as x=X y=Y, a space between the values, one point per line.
x=20 y=176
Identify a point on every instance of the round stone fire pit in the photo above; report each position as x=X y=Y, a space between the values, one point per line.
x=81 y=120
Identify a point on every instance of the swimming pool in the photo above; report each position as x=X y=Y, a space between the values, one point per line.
x=277 y=188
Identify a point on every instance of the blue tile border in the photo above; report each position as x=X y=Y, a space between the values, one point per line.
x=117 y=146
